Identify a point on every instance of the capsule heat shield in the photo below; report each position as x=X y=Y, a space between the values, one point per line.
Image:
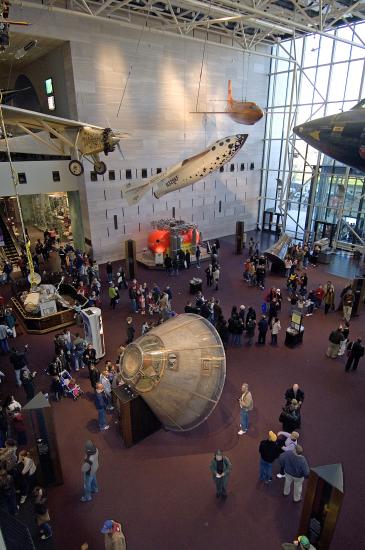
x=179 y=369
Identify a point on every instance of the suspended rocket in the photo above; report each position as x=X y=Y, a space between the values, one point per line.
x=188 y=171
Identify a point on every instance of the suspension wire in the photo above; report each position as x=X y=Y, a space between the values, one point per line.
x=143 y=27
x=247 y=73
x=203 y=57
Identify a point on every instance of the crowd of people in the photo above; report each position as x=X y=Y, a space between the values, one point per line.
x=18 y=474
x=249 y=325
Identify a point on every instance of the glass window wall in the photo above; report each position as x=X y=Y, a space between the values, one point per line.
x=329 y=77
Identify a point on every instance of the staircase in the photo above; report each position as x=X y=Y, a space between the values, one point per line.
x=9 y=249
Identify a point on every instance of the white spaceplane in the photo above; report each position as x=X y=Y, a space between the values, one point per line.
x=188 y=171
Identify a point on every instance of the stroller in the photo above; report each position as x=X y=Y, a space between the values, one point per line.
x=69 y=385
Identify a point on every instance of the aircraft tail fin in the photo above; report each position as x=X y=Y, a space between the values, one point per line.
x=229 y=96
x=134 y=193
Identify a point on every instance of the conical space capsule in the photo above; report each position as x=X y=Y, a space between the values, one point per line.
x=179 y=369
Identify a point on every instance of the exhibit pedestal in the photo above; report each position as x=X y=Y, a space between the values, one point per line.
x=42 y=440
x=322 y=505
x=294 y=337
x=135 y=419
x=195 y=286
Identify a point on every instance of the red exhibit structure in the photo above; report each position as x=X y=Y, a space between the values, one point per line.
x=159 y=240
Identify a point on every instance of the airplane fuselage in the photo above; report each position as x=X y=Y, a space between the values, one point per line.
x=244 y=112
x=340 y=136
x=93 y=140
x=197 y=167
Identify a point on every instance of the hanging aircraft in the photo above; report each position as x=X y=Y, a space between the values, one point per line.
x=341 y=136
x=242 y=112
x=72 y=137
x=5 y=24
x=188 y=171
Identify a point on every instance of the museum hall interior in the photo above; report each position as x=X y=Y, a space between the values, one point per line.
x=182 y=274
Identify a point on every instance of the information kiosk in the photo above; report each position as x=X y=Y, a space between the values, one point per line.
x=93 y=329
x=295 y=332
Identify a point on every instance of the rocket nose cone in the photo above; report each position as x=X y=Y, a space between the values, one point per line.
x=310 y=132
x=298 y=130
x=241 y=138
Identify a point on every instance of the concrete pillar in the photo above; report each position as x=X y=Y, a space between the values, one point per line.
x=73 y=198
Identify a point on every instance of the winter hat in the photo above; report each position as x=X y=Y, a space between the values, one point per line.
x=294 y=435
x=90 y=447
x=272 y=436
x=108 y=526
x=304 y=541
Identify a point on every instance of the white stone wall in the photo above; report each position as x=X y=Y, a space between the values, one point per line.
x=160 y=93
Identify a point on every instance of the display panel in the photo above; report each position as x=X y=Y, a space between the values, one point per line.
x=49 y=86
x=51 y=103
x=296 y=318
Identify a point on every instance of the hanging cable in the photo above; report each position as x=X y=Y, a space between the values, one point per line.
x=203 y=56
x=131 y=66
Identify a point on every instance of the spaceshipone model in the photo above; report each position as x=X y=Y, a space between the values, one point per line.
x=341 y=136
x=188 y=171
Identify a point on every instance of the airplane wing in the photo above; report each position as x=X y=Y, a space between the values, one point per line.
x=18 y=119
x=209 y=112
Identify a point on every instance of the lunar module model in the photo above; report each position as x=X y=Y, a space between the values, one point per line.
x=179 y=369
x=171 y=235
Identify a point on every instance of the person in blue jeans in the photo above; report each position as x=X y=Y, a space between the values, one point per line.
x=269 y=452
x=246 y=405
x=89 y=469
x=101 y=403
x=4 y=344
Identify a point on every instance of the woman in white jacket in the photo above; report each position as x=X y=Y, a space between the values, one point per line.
x=275 y=329
x=27 y=470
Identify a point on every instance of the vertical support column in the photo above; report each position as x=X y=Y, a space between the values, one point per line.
x=340 y=210
x=311 y=199
x=74 y=205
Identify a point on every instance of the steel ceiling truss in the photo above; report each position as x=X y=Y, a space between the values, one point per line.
x=248 y=23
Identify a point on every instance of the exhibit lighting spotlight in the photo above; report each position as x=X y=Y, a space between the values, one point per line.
x=25 y=49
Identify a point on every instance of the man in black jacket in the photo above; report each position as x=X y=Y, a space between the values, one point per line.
x=356 y=351
x=296 y=470
x=294 y=393
x=263 y=326
x=189 y=308
x=19 y=360
x=269 y=452
x=89 y=356
x=130 y=330
x=335 y=340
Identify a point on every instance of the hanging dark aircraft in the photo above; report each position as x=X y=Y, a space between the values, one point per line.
x=341 y=136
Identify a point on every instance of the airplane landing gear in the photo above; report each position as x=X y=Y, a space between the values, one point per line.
x=100 y=167
x=76 y=168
